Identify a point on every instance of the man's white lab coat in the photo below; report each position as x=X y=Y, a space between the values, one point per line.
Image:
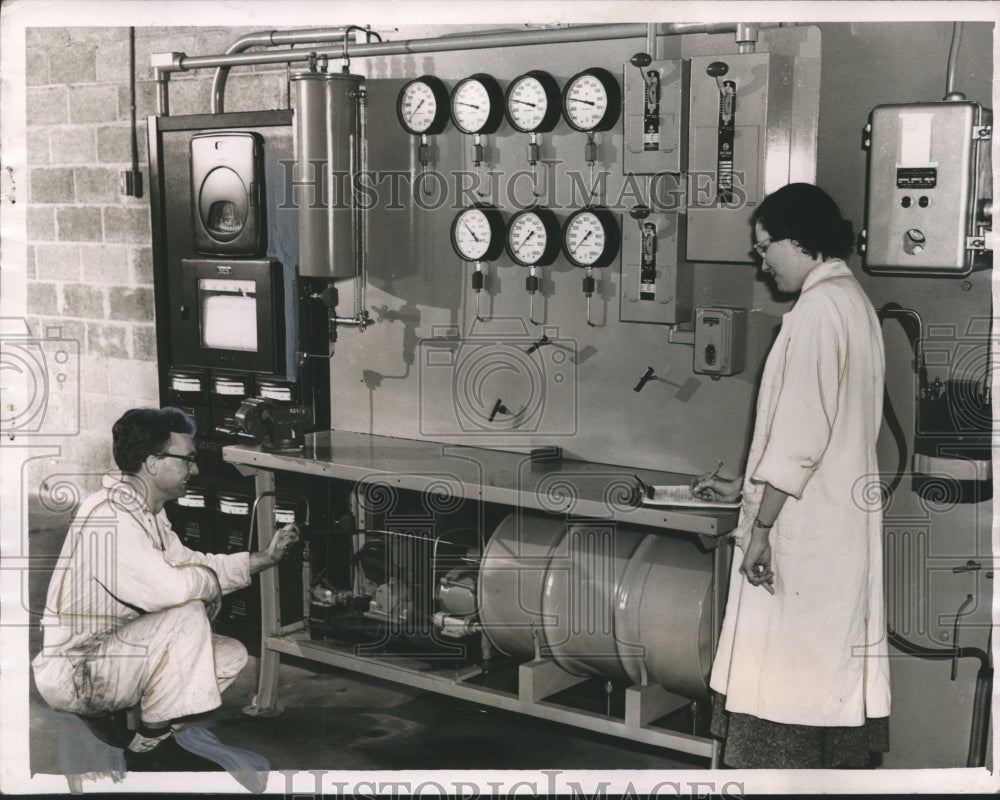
x=125 y=622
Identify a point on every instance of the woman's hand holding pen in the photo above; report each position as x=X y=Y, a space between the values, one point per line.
x=713 y=488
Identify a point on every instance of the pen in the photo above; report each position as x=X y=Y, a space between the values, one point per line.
x=713 y=474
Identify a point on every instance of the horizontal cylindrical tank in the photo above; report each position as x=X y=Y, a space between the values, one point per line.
x=601 y=599
x=327 y=158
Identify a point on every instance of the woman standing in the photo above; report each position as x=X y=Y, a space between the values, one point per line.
x=801 y=674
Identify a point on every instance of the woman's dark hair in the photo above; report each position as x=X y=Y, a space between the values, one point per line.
x=142 y=432
x=809 y=216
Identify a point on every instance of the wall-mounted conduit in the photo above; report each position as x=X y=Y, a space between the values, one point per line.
x=164 y=64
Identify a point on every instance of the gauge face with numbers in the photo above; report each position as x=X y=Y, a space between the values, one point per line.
x=532 y=102
x=590 y=237
x=592 y=100
x=533 y=237
x=477 y=234
x=477 y=104
x=422 y=105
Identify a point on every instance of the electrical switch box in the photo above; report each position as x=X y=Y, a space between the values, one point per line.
x=655 y=117
x=739 y=148
x=929 y=181
x=720 y=335
x=656 y=284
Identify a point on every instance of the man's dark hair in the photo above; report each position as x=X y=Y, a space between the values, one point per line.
x=142 y=432
x=808 y=215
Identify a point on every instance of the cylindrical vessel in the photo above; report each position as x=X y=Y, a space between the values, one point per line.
x=601 y=599
x=327 y=157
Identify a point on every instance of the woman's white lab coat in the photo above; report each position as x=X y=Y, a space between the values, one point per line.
x=814 y=652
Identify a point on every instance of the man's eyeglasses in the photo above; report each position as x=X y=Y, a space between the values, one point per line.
x=191 y=460
x=761 y=246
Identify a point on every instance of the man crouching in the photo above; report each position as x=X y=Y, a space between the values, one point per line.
x=127 y=615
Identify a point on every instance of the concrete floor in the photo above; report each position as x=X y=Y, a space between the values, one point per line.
x=335 y=719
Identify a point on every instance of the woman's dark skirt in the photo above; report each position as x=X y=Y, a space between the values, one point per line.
x=753 y=743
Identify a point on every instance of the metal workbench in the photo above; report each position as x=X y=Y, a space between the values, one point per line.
x=552 y=485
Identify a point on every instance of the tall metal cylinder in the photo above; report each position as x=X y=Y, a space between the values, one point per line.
x=611 y=601
x=327 y=159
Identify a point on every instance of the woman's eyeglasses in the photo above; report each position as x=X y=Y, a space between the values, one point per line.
x=761 y=247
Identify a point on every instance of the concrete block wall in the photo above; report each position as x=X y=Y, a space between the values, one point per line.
x=89 y=248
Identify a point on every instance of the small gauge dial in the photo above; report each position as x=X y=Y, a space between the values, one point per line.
x=477 y=104
x=533 y=237
x=422 y=105
x=592 y=100
x=532 y=102
x=590 y=237
x=477 y=234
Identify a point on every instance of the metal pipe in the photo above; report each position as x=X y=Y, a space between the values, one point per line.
x=956 y=42
x=166 y=63
x=266 y=39
x=582 y=33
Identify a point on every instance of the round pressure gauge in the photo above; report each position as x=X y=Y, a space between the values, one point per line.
x=477 y=104
x=590 y=237
x=532 y=102
x=422 y=105
x=533 y=237
x=477 y=234
x=592 y=100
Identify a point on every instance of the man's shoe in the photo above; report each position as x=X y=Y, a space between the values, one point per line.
x=111 y=728
x=168 y=756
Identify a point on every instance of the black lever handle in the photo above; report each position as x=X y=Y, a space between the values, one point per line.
x=498 y=408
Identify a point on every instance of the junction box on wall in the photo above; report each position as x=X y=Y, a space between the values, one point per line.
x=928 y=210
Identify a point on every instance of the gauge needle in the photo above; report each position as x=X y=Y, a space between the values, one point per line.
x=470 y=105
x=471 y=232
x=524 y=102
x=580 y=243
x=581 y=100
x=416 y=108
x=524 y=241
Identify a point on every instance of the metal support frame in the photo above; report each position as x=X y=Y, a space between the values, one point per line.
x=537 y=681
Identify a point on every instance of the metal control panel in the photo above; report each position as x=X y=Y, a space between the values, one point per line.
x=720 y=335
x=656 y=117
x=739 y=148
x=928 y=182
x=657 y=281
